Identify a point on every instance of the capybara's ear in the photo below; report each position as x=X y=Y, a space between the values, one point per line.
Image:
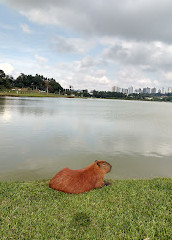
x=98 y=163
x=95 y=160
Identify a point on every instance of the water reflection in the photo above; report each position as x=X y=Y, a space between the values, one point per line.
x=6 y=116
x=27 y=106
x=2 y=104
x=40 y=136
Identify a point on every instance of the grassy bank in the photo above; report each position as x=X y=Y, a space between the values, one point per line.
x=31 y=94
x=129 y=209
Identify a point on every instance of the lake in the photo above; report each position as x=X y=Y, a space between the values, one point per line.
x=40 y=136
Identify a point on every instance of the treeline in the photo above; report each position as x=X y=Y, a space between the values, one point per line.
x=133 y=96
x=37 y=82
x=107 y=94
x=41 y=83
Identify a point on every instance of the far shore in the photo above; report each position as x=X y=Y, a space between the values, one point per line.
x=54 y=95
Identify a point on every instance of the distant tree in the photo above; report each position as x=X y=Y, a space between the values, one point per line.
x=39 y=82
x=85 y=93
x=54 y=86
x=108 y=94
x=21 y=81
x=5 y=80
x=2 y=74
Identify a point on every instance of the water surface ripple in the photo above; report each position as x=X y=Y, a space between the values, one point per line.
x=39 y=136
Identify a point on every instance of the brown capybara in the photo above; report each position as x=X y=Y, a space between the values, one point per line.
x=81 y=180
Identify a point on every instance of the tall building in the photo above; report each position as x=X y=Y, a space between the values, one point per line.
x=153 y=90
x=130 y=90
x=147 y=90
x=124 y=91
x=116 y=89
x=169 y=89
x=163 y=90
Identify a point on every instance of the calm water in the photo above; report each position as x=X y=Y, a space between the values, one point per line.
x=39 y=136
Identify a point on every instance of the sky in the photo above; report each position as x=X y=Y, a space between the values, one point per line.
x=93 y=44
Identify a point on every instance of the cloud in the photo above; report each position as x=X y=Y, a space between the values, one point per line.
x=96 y=44
x=68 y=45
x=89 y=63
x=143 y=19
x=101 y=80
x=167 y=76
x=25 y=28
x=149 y=56
x=7 y=68
x=40 y=59
x=130 y=76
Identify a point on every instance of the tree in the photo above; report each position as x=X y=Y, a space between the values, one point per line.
x=2 y=74
x=85 y=93
x=37 y=82
x=5 y=80
x=54 y=86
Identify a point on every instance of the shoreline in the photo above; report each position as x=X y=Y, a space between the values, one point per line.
x=40 y=180
x=52 y=95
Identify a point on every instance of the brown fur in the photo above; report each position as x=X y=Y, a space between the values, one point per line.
x=82 y=180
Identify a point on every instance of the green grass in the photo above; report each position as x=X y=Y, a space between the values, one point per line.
x=129 y=209
x=29 y=94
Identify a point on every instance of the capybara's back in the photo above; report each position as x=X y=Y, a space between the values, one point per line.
x=82 y=180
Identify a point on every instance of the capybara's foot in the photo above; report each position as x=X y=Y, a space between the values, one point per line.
x=107 y=184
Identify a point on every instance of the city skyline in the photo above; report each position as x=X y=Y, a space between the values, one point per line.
x=148 y=90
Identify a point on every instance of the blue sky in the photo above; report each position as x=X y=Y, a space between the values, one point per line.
x=88 y=44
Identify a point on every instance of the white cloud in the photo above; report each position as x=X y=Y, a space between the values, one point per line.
x=148 y=55
x=96 y=80
x=167 y=77
x=71 y=45
x=7 y=68
x=89 y=63
x=130 y=76
x=40 y=59
x=25 y=28
x=97 y=44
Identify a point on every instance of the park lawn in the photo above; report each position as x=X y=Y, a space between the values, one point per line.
x=29 y=94
x=128 y=209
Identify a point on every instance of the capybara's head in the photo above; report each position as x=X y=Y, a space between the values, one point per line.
x=105 y=166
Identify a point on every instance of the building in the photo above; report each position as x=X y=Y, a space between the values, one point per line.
x=163 y=90
x=116 y=89
x=153 y=90
x=124 y=91
x=169 y=89
x=147 y=90
x=130 y=90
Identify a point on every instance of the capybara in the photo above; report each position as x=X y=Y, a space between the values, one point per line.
x=81 y=180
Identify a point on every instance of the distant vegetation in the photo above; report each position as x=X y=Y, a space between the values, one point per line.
x=37 y=82
x=32 y=85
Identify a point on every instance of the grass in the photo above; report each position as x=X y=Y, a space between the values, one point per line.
x=129 y=209
x=29 y=94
